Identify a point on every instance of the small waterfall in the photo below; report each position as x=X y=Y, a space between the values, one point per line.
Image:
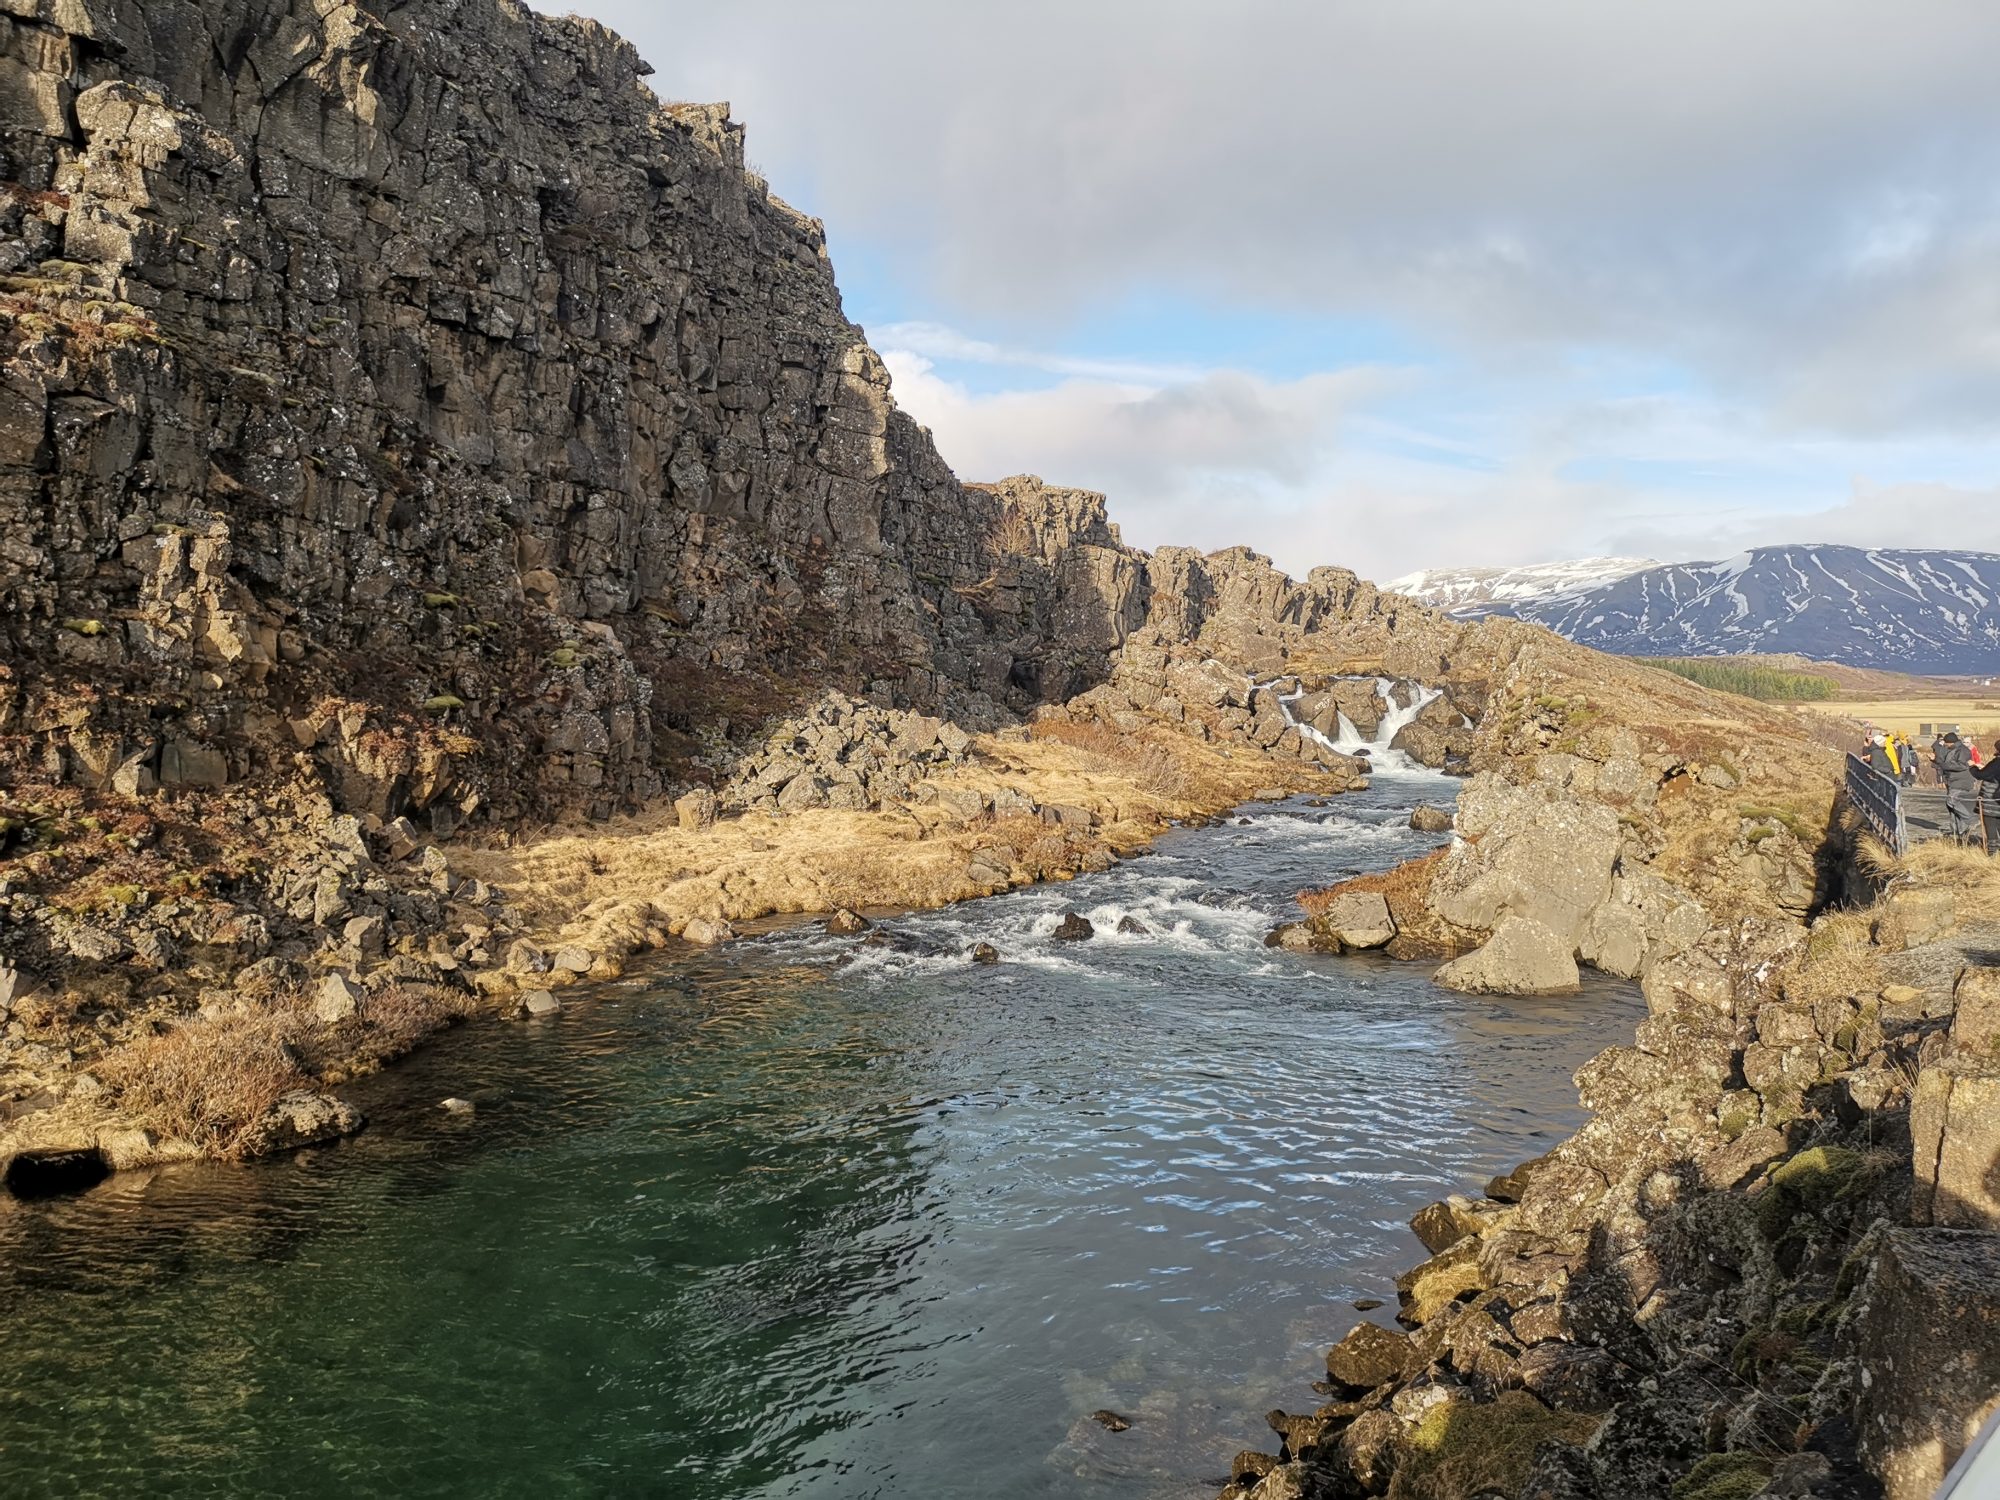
x=1378 y=750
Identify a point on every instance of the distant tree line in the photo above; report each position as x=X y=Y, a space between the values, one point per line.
x=1748 y=680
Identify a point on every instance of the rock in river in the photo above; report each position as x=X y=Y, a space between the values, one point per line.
x=1074 y=928
x=1523 y=957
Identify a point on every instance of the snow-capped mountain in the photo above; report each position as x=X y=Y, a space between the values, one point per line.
x=1901 y=610
x=1461 y=588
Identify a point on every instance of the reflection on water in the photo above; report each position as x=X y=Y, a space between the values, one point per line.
x=812 y=1218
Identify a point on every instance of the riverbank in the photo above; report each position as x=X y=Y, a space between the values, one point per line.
x=1766 y=1266
x=234 y=1043
x=802 y=1212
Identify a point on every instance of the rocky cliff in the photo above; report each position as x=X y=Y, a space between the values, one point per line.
x=409 y=425
x=418 y=392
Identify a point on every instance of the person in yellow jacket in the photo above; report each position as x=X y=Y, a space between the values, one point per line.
x=1906 y=757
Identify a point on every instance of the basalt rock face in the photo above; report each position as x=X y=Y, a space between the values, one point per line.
x=423 y=379
x=415 y=394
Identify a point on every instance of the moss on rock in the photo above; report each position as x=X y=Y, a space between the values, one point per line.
x=1460 y=1449
x=1724 y=1476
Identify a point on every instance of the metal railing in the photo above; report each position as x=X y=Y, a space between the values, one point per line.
x=1905 y=815
x=1879 y=800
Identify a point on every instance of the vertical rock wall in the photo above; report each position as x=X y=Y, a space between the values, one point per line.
x=410 y=390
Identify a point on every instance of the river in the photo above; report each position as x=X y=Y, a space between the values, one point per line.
x=808 y=1217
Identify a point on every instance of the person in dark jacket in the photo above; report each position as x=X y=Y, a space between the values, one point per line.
x=1961 y=787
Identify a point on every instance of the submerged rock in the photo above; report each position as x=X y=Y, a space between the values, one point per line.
x=1110 y=1420
x=706 y=932
x=303 y=1117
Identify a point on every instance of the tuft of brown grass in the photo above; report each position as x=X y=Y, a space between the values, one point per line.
x=210 y=1081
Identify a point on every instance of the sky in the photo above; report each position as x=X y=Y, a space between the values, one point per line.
x=1428 y=283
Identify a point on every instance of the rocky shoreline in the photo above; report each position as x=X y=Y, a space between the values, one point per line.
x=431 y=466
x=367 y=941
x=1768 y=1266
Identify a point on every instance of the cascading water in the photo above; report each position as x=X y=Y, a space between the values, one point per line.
x=1379 y=750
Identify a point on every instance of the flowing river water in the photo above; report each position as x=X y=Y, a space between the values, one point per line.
x=807 y=1217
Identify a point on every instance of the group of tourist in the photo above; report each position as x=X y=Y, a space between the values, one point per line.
x=1961 y=771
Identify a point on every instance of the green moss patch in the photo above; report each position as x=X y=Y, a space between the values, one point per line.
x=1460 y=1449
x=1724 y=1476
x=1809 y=1183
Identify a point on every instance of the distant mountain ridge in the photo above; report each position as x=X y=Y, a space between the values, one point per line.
x=1459 y=589
x=1913 y=610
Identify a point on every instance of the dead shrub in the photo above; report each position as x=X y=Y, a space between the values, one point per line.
x=1165 y=774
x=1118 y=751
x=211 y=1080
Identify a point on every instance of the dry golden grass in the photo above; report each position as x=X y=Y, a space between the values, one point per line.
x=1971 y=875
x=209 y=1082
x=1170 y=766
x=1838 y=962
x=618 y=887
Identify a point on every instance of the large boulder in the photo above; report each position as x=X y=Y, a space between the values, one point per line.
x=1427 y=819
x=1360 y=919
x=1525 y=854
x=697 y=809
x=1955 y=1137
x=1369 y=1356
x=1523 y=957
x=1927 y=1326
x=1975 y=1024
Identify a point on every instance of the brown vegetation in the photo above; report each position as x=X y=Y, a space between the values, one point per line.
x=618 y=886
x=210 y=1081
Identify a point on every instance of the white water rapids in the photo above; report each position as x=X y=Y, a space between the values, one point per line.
x=1379 y=750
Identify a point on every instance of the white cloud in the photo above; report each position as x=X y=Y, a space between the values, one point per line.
x=1304 y=471
x=1743 y=186
x=1792 y=206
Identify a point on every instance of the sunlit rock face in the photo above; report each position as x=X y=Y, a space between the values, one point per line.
x=422 y=394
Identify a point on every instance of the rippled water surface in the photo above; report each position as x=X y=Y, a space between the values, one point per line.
x=814 y=1218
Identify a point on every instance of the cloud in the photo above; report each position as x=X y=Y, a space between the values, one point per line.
x=1679 y=278
x=1308 y=471
x=1793 y=195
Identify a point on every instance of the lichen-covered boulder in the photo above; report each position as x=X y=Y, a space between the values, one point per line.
x=1523 y=957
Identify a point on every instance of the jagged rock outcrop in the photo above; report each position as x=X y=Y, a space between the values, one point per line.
x=417 y=392
x=1764 y=1267
x=844 y=754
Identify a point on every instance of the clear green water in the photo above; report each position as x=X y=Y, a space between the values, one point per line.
x=812 y=1219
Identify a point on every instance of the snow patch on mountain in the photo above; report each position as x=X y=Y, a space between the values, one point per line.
x=1908 y=610
x=1462 y=588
